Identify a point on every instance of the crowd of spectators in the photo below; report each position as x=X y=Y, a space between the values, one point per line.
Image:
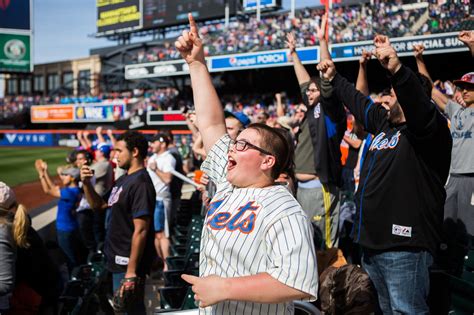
x=350 y=23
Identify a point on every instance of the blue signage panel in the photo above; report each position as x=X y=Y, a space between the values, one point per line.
x=260 y=60
x=26 y=139
x=434 y=44
x=252 y=4
x=97 y=113
x=249 y=61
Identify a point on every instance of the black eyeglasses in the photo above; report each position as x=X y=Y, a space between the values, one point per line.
x=242 y=145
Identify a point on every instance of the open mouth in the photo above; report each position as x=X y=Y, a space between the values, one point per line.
x=231 y=164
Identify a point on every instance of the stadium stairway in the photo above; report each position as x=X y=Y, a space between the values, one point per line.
x=418 y=24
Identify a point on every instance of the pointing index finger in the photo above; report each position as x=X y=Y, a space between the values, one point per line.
x=192 y=25
x=189 y=278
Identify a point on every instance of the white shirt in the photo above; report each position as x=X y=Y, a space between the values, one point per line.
x=253 y=230
x=165 y=162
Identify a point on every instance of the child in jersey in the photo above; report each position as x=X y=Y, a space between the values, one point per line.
x=257 y=253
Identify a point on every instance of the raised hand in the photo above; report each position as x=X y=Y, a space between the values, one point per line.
x=291 y=42
x=366 y=55
x=327 y=68
x=386 y=54
x=467 y=37
x=381 y=41
x=39 y=166
x=418 y=50
x=321 y=30
x=190 y=45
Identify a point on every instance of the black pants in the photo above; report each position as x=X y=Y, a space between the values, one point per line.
x=85 y=218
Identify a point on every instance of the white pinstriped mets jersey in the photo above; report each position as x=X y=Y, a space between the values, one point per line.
x=254 y=230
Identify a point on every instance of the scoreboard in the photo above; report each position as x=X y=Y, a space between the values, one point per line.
x=159 y=13
x=115 y=16
x=119 y=16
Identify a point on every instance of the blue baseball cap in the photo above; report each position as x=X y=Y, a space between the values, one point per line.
x=104 y=148
x=241 y=117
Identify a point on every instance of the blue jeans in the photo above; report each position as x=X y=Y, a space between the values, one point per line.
x=139 y=307
x=69 y=243
x=401 y=279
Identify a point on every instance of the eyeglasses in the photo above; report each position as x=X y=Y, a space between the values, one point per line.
x=242 y=145
x=311 y=91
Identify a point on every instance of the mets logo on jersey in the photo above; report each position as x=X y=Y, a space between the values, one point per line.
x=242 y=220
x=114 y=196
x=317 y=111
x=381 y=142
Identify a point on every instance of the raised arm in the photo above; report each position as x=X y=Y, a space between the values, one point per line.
x=46 y=183
x=420 y=63
x=362 y=83
x=280 y=109
x=361 y=106
x=95 y=201
x=209 y=111
x=110 y=133
x=100 y=137
x=439 y=97
x=321 y=33
x=417 y=107
x=301 y=74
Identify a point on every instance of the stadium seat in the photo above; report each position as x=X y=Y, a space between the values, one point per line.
x=305 y=308
x=462 y=289
x=174 y=299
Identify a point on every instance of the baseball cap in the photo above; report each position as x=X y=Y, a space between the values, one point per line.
x=161 y=137
x=466 y=80
x=71 y=171
x=244 y=120
x=104 y=148
x=7 y=196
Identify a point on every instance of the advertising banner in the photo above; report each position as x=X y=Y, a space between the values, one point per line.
x=15 y=53
x=156 y=69
x=26 y=139
x=118 y=16
x=252 y=4
x=434 y=44
x=275 y=58
x=77 y=113
x=15 y=14
x=98 y=113
x=52 y=113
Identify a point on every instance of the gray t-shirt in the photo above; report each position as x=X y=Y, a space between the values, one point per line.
x=462 y=127
x=104 y=175
x=304 y=152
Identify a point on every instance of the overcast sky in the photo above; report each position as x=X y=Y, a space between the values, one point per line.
x=63 y=28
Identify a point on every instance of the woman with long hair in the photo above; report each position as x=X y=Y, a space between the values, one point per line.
x=14 y=225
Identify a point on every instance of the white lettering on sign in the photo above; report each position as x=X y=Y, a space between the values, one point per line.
x=93 y=112
x=164 y=69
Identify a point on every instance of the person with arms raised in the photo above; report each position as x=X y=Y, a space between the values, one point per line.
x=257 y=253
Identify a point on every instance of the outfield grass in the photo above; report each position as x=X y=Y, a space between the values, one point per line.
x=17 y=164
